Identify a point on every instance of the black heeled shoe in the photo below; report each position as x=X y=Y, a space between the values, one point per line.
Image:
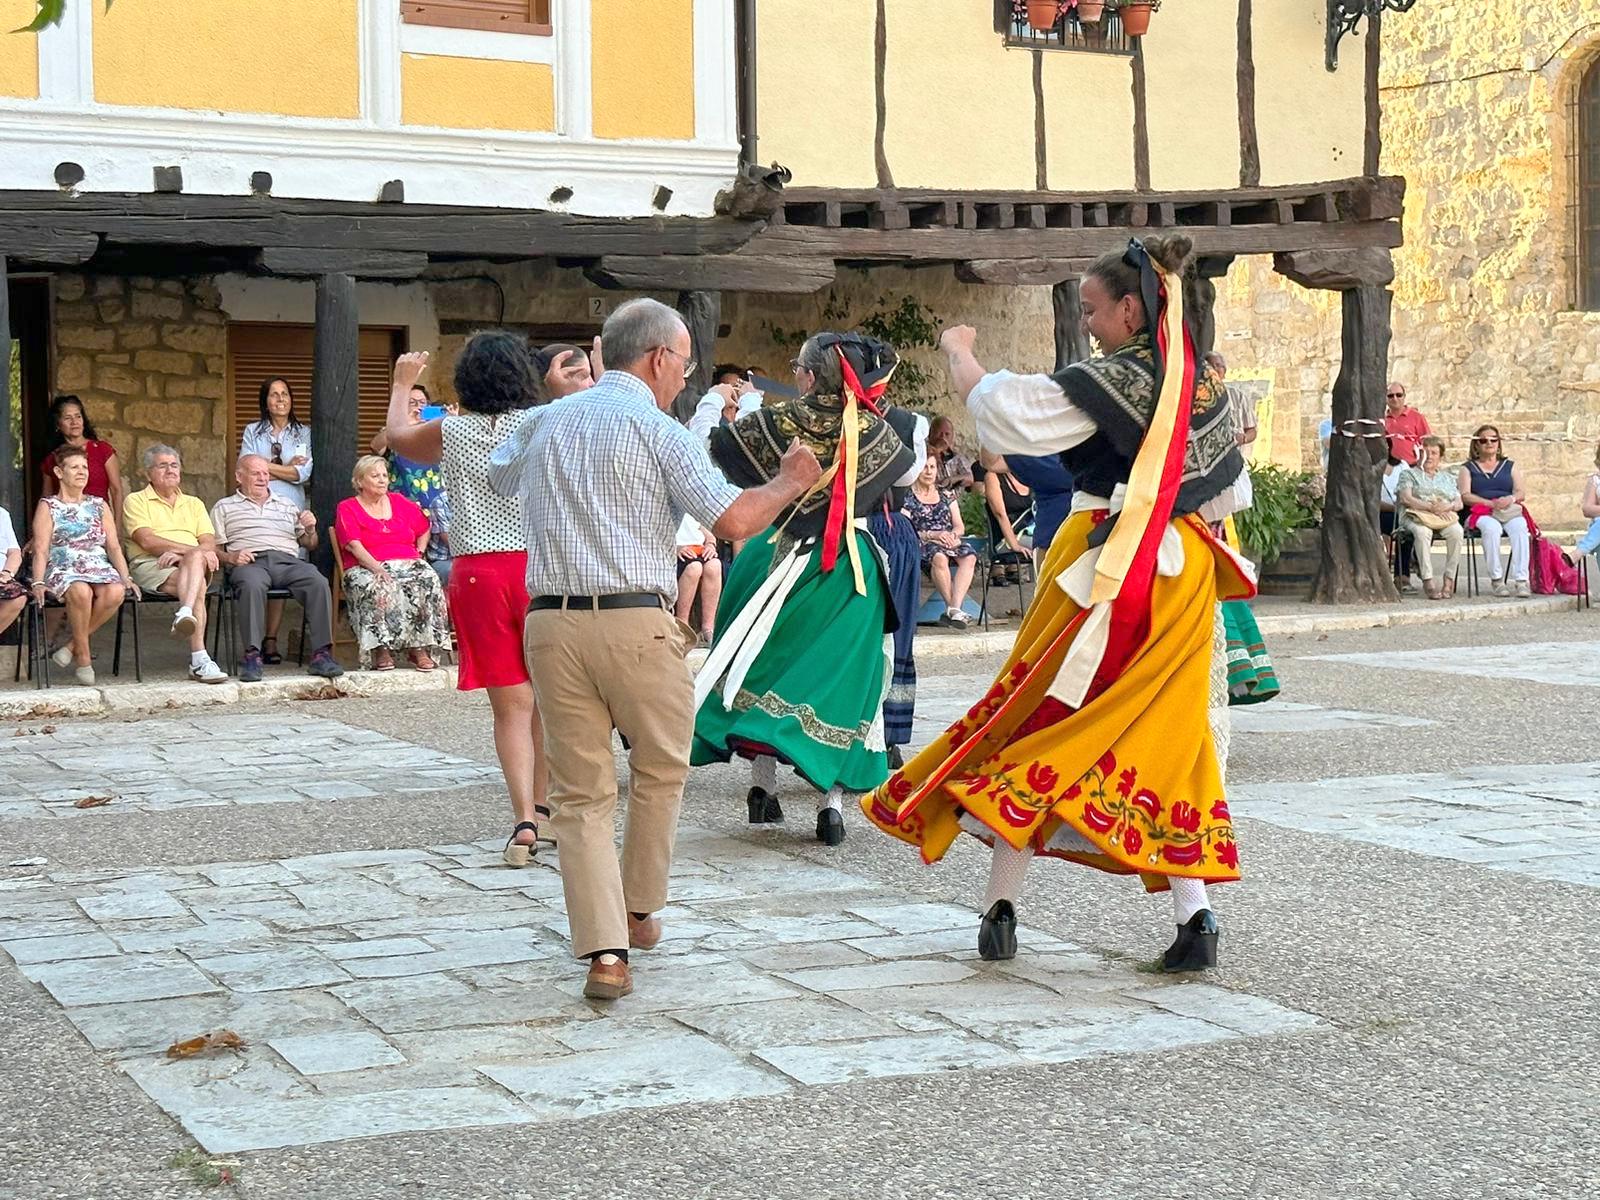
x=1196 y=947
x=830 y=827
x=897 y=760
x=997 y=932
x=764 y=807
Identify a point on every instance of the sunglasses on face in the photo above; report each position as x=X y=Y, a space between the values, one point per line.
x=1487 y=441
x=1397 y=395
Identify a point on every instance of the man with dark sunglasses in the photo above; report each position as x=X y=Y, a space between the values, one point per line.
x=1405 y=426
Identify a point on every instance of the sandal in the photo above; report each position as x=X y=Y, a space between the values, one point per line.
x=520 y=854
x=422 y=660
x=382 y=660
x=543 y=814
x=271 y=657
x=1449 y=588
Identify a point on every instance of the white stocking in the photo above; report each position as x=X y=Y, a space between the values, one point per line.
x=1006 y=870
x=1188 y=897
x=833 y=798
x=764 y=773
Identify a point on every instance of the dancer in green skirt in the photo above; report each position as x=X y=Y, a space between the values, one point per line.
x=1251 y=678
x=804 y=652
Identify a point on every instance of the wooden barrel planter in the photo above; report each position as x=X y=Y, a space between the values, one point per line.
x=1291 y=573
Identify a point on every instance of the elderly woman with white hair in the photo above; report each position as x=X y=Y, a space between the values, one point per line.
x=395 y=601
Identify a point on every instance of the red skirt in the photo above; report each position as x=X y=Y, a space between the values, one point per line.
x=488 y=595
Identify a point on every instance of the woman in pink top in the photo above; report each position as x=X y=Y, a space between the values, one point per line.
x=393 y=595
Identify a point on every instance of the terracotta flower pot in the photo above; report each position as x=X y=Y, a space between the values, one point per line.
x=1090 y=11
x=1042 y=14
x=1136 y=19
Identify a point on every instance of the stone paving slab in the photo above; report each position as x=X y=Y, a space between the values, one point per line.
x=372 y=1010
x=166 y=763
x=1573 y=664
x=1541 y=820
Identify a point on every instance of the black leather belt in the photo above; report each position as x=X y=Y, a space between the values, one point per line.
x=594 y=603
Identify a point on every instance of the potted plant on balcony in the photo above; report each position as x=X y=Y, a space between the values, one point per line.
x=1090 y=11
x=1043 y=14
x=1135 y=16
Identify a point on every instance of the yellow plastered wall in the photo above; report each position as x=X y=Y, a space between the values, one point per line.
x=959 y=103
x=1191 y=57
x=643 y=68
x=19 y=52
x=296 y=58
x=815 y=108
x=1088 y=121
x=1311 y=123
x=475 y=93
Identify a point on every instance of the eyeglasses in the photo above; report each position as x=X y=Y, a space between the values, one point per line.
x=1397 y=395
x=164 y=465
x=689 y=364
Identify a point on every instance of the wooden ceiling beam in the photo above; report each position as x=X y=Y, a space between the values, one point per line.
x=307 y=262
x=713 y=272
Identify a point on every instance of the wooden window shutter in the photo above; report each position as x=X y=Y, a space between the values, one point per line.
x=500 y=16
x=257 y=352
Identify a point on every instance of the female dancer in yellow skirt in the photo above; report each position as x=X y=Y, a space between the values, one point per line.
x=1094 y=743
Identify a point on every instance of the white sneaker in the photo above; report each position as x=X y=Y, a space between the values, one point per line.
x=84 y=675
x=62 y=657
x=183 y=623
x=208 y=672
x=1501 y=588
x=1522 y=590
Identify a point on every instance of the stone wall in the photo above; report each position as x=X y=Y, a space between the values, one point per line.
x=148 y=358
x=1477 y=117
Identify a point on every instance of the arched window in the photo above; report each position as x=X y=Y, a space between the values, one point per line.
x=1587 y=181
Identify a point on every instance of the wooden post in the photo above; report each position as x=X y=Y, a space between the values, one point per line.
x=702 y=313
x=11 y=490
x=1072 y=344
x=333 y=425
x=1354 y=568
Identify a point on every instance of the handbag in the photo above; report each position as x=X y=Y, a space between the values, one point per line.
x=1431 y=520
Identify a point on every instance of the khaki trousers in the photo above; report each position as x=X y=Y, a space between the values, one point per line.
x=1422 y=555
x=592 y=671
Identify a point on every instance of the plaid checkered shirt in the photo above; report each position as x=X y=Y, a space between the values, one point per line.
x=605 y=478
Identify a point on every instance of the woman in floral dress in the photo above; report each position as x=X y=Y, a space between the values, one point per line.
x=394 y=597
x=77 y=559
x=936 y=517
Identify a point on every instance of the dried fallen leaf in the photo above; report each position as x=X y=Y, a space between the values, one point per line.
x=91 y=802
x=47 y=729
x=222 y=1039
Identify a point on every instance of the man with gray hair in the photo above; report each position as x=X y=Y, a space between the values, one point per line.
x=172 y=550
x=605 y=477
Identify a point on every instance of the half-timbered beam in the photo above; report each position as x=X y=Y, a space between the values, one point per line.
x=716 y=272
x=310 y=262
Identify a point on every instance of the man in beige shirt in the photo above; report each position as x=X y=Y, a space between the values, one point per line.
x=172 y=549
x=261 y=535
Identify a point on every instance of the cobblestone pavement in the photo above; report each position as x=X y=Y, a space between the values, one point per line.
x=1542 y=821
x=1405 y=984
x=159 y=764
x=398 y=991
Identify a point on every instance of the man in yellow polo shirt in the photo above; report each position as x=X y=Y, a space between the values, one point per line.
x=172 y=548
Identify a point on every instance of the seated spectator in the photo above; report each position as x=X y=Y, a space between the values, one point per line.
x=13 y=596
x=1325 y=439
x=1052 y=494
x=699 y=576
x=1387 y=514
x=394 y=597
x=174 y=550
x=261 y=534
x=950 y=561
x=421 y=483
x=1010 y=507
x=1405 y=426
x=1491 y=487
x=77 y=559
x=955 y=468
x=1590 y=541
x=1429 y=500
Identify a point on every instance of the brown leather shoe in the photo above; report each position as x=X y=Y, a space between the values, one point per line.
x=608 y=981
x=643 y=934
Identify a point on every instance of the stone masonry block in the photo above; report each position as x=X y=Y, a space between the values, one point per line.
x=119 y=380
x=171 y=362
x=146 y=304
x=109 y=285
x=136 y=335
x=71 y=287
x=112 y=310
x=72 y=372
x=165 y=416
x=196 y=339
x=85 y=337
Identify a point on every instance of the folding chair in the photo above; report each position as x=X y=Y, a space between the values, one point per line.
x=225 y=629
x=989 y=557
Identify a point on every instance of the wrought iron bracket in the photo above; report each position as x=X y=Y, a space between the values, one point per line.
x=1345 y=15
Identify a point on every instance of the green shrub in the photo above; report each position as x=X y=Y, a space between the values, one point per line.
x=974 y=514
x=1284 y=502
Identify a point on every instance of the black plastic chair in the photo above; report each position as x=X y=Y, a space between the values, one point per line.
x=225 y=629
x=39 y=644
x=212 y=593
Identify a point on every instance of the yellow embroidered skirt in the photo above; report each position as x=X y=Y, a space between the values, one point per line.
x=1129 y=782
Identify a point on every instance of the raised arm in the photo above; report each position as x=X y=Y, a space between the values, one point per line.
x=1015 y=414
x=422 y=443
